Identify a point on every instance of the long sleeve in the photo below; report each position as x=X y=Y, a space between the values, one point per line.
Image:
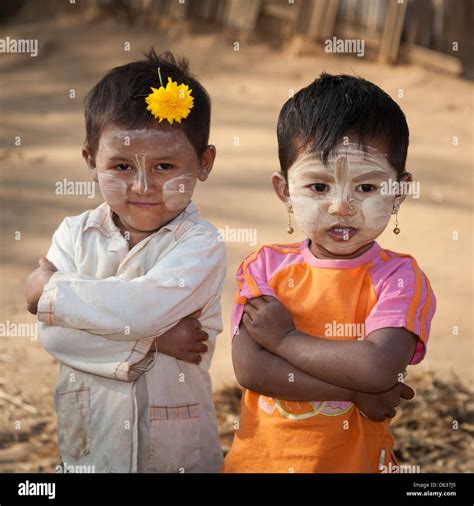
x=123 y=360
x=178 y=284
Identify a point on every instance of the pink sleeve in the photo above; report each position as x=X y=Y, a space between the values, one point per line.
x=252 y=282
x=404 y=299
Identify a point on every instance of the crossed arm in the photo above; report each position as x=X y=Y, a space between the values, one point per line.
x=267 y=351
x=111 y=316
x=371 y=365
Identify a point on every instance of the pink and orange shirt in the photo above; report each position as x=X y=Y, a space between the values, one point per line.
x=333 y=299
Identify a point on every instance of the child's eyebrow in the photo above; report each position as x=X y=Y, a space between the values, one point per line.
x=124 y=158
x=316 y=174
x=372 y=174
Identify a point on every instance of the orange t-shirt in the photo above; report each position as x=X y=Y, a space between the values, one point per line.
x=334 y=299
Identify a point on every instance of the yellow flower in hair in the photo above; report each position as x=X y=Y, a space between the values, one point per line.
x=172 y=103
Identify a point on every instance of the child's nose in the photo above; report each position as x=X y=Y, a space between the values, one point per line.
x=143 y=184
x=341 y=207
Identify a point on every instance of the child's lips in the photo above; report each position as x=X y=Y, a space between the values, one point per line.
x=341 y=233
x=144 y=205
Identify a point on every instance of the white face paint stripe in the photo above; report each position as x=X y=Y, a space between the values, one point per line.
x=141 y=175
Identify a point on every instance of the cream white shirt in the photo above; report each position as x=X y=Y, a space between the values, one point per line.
x=121 y=408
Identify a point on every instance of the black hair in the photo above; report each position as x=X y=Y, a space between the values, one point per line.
x=331 y=107
x=119 y=97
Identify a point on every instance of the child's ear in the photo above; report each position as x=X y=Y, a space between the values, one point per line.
x=207 y=162
x=90 y=163
x=281 y=188
x=404 y=178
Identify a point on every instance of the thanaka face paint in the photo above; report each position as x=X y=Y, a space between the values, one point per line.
x=177 y=192
x=340 y=206
x=146 y=176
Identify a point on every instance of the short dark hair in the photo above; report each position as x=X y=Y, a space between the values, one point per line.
x=119 y=97
x=320 y=115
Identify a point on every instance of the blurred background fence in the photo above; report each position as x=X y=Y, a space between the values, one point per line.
x=433 y=33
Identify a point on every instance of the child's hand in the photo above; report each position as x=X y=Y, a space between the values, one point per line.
x=380 y=406
x=185 y=340
x=267 y=321
x=36 y=282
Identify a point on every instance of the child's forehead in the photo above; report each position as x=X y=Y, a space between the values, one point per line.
x=143 y=140
x=357 y=160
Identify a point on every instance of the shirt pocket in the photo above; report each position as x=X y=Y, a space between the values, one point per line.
x=174 y=438
x=74 y=422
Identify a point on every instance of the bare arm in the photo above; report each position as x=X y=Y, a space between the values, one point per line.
x=268 y=374
x=265 y=373
x=370 y=365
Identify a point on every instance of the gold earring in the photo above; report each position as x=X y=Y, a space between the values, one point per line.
x=290 y=228
x=396 y=230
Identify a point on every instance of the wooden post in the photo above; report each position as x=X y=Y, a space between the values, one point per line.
x=242 y=14
x=390 y=43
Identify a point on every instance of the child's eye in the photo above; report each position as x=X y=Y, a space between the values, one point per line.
x=319 y=187
x=164 y=166
x=121 y=167
x=366 y=188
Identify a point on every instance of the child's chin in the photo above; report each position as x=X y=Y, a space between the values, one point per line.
x=345 y=248
x=146 y=225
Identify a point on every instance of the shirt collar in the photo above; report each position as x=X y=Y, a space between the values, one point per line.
x=332 y=263
x=101 y=218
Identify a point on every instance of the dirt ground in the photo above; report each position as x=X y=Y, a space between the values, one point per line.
x=248 y=88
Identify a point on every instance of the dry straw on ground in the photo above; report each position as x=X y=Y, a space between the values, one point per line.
x=434 y=431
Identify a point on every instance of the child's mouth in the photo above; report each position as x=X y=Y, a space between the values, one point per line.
x=145 y=205
x=341 y=233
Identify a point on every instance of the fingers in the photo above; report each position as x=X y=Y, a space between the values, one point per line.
x=195 y=315
x=391 y=413
x=192 y=358
x=269 y=298
x=199 y=348
x=247 y=319
x=191 y=323
x=256 y=302
x=406 y=391
x=251 y=311
x=201 y=336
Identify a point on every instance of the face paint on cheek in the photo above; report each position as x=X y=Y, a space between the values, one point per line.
x=305 y=210
x=113 y=190
x=177 y=192
x=376 y=211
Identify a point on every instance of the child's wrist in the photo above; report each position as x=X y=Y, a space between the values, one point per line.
x=283 y=342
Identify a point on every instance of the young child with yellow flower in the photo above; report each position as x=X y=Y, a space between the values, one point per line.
x=128 y=298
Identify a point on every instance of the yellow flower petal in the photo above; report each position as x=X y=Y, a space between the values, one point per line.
x=172 y=103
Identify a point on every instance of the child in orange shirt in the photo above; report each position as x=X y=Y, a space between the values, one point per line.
x=324 y=328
